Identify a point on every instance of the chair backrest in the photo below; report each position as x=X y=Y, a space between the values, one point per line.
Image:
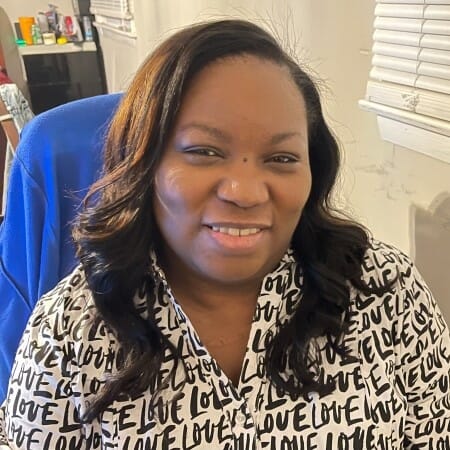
x=57 y=159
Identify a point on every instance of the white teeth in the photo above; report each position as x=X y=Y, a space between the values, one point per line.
x=232 y=231
x=236 y=231
x=248 y=231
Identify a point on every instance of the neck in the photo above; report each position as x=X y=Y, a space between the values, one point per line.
x=205 y=295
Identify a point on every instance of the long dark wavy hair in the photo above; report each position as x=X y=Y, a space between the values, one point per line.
x=116 y=230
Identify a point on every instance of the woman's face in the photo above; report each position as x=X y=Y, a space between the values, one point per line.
x=235 y=175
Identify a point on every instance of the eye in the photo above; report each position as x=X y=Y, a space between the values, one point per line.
x=283 y=158
x=202 y=152
x=201 y=155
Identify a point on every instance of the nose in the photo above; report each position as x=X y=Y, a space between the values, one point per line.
x=243 y=186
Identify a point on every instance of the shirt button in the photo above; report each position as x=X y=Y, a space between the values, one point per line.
x=240 y=418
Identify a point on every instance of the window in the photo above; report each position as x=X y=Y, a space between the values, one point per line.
x=409 y=85
x=115 y=15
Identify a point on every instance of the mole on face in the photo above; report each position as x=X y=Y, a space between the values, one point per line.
x=244 y=160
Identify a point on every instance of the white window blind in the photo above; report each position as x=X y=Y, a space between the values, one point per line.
x=114 y=15
x=410 y=76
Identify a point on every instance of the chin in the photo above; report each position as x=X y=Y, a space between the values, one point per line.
x=235 y=274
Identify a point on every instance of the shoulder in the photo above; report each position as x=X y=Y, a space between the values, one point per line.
x=384 y=263
x=388 y=273
x=67 y=315
x=398 y=289
x=70 y=294
x=67 y=342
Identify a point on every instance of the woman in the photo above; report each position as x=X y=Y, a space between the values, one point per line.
x=220 y=301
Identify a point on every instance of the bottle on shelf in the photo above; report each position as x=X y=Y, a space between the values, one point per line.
x=37 y=35
x=87 y=25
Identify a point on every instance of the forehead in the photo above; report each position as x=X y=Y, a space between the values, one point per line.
x=244 y=91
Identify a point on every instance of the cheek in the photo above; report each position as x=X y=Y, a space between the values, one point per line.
x=295 y=195
x=293 y=198
x=170 y=197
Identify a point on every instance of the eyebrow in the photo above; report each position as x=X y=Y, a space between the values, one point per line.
x=226 y=137
x=213 y=131
x=280 y=137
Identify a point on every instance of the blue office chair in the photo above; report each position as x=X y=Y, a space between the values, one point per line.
x=58 y=158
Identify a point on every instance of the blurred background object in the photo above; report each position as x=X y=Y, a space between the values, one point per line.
x=26 y=24
x=11 y=60
x=49 y=57
x=432 y=245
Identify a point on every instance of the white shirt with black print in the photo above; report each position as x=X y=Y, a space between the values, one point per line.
x=393 y=395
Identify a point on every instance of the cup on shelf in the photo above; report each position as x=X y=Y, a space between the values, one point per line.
x=25 y=24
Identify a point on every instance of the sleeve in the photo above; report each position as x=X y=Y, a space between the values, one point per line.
x=3 y=439
x=41 y=410
x=425 y=359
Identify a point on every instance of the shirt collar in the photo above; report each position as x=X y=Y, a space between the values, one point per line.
x=158 y=273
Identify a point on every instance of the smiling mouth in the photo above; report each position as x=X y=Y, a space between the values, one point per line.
x=236 y=231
